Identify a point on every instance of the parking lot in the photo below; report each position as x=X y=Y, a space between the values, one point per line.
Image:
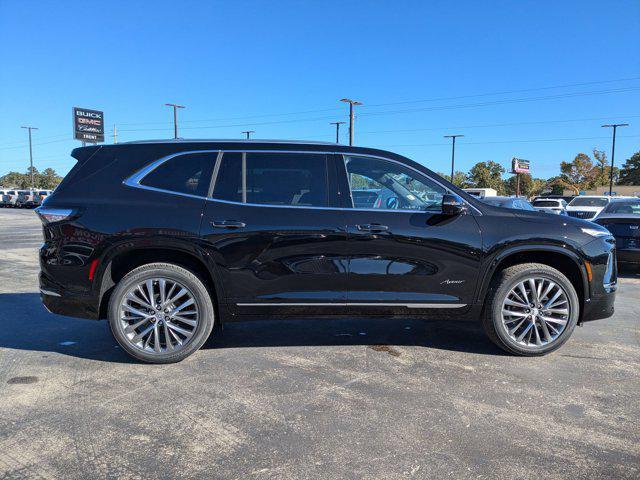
x=327 y=399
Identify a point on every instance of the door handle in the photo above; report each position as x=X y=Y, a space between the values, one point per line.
x=372 y=227
x=228 y=224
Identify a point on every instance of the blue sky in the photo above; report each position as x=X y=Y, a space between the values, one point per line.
x=532 y=79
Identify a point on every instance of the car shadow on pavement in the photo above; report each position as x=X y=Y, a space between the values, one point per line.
x=27 y=325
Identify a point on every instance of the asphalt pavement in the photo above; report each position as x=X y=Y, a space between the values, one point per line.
x=309 y=399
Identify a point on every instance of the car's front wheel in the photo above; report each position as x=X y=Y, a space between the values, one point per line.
x=161 y=313
x=532 y=309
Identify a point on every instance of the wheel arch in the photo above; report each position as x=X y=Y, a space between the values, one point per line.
x=562 y=259
x=120 y=261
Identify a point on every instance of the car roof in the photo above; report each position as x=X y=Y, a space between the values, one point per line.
x=229 y=140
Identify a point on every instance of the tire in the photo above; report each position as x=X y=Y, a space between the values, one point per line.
x=499 y=318
x=168 y=330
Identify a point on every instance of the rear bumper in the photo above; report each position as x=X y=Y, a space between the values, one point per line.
x=63 y=302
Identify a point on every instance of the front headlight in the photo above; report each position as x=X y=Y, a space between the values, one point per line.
x=596 y=232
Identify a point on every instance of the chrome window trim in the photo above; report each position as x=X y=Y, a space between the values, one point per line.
x=353 y=304
x=135 y=179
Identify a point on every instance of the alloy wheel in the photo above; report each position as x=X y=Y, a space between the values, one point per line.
x=535 y=312
x=158 y=315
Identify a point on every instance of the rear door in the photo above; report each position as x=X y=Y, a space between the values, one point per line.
x=405 y=255
x=273 y=227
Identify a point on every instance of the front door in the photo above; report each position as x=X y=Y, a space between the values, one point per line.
x=405 y=256
x=274 y=230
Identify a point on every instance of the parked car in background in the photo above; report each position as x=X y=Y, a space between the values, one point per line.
x=587 y=207
x=622 y=218
x=509 y=202
x=26 y=199
x=220 y=231
x=566 y=198
x=556 y=206
x=40 y=196
x=3 y=192
x=10 y=198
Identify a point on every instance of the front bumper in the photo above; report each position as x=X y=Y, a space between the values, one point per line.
x=597 y=309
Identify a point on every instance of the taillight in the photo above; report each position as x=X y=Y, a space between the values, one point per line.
x=51 y=215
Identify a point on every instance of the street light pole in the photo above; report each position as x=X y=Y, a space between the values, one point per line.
x=453 y=152
x=351 y=103
x=613 y=150
x=31 y=155
x=248 y=133
x=337 y=124
x=175 y=117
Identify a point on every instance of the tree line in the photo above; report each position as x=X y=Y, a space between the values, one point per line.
x=48 y=179
x=584 y=172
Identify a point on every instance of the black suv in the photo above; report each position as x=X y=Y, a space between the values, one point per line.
x=164 y=238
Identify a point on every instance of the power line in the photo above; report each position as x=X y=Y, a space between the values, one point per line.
x=506 y=141
x=507 y=92
x=503 y=102
x=488 y=125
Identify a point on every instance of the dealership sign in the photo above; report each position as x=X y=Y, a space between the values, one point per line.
x=519 y=166
x=88 y=125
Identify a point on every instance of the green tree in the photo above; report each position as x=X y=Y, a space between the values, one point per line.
x=48 y=179
x=529 y=186
x=556 y=186
x=630 y=172
x=459 y=178
x=487 y=175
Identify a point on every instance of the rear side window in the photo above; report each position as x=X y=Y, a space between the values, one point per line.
x=288 y=179
x=189 y=173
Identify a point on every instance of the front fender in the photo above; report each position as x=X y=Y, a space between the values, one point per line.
x=491 y=265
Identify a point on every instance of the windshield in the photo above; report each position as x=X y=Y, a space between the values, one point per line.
x=588 y=202
x=498 y=202
x=632 y=208
x=546 y=203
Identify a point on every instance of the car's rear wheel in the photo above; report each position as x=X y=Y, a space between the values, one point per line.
x=532 y=309
x=161 y=313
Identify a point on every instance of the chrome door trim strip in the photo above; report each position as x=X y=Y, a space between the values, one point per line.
x=353 y=304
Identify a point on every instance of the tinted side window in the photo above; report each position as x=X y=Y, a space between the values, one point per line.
x=292 y=179
x=385 y=185
x=189 y=173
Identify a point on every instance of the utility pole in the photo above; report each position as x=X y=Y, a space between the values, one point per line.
x=351 y=103
x=31 y=155
x=115 y=134
x=453 y=152
x=175 y=117
x=248 y=133
x=613 y=150
x=337 y=124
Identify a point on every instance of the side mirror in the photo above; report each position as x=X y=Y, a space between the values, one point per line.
x=453 y=205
